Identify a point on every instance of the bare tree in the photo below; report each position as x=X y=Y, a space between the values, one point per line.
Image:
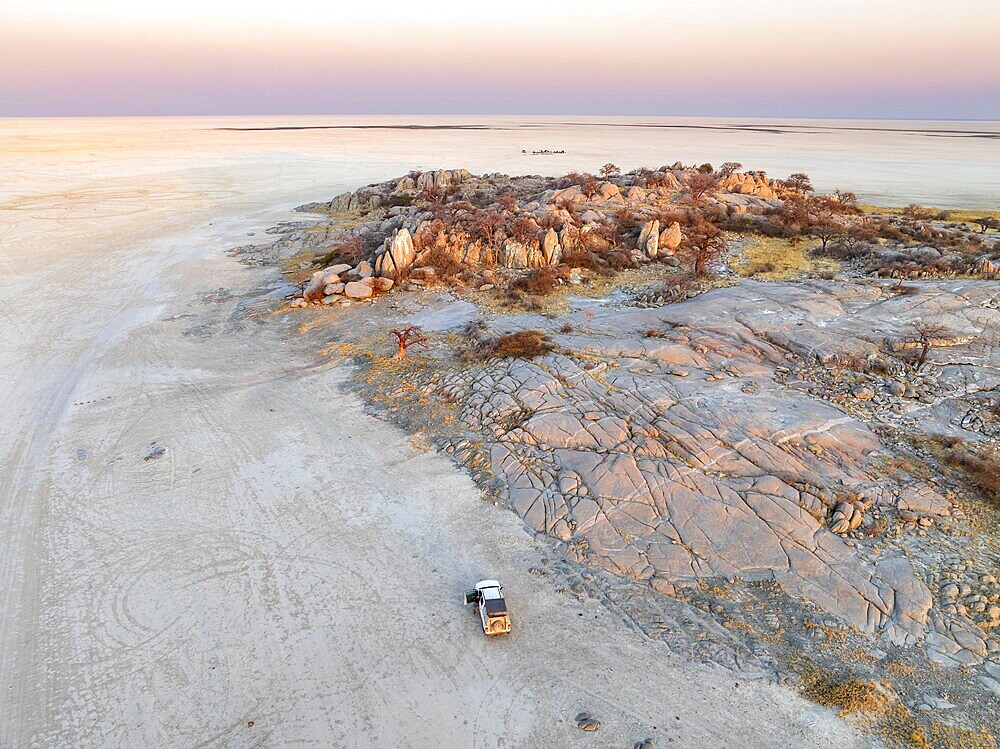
x=485 y=224
x=986 y=222
x=799 y=183
x=507 y=201
x=610 y=170
x=700 y=185
x=927 y=334
x=730 y=168
x=588 y=185
x=825 y=229
x=411 y=336
x=847 y=199
x=703 y=243
x=524 y=228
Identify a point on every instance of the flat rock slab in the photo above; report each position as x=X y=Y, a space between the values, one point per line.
x=451 y=317
x=680 y=456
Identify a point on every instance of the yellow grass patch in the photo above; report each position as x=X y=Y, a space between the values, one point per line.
x=777 y=259
x=957 y=215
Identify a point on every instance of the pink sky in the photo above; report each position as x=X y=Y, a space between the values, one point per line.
x=879 y=58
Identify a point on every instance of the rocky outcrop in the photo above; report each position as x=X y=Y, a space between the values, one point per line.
x=749 y=183
x=397 y=257
x=568 y=195
x=677 y=457
x=434 y=180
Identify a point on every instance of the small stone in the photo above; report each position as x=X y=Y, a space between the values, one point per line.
x=586 y=722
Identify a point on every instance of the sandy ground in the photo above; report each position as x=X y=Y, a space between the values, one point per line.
x=289 y=570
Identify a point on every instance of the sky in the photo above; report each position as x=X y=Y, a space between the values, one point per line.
x=894 y=59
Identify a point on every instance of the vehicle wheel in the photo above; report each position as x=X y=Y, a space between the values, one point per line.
x=471 y=596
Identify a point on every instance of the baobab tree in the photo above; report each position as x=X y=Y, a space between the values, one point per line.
x=411 y=336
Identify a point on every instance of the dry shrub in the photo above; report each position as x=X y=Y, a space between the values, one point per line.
x=524 y=344
x=851 y=696
x=981 y=468
x=350 y=249
x=756 y=268
x=444 y=262
x=540 y=280
x=514 y=299
x=878 y=526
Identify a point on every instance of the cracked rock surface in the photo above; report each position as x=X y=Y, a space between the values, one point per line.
x=683 y=455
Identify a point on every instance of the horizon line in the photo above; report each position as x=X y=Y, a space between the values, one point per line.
x=498 y=114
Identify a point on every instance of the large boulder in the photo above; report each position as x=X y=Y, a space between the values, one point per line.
x=551 y=250
x=398 y=256
x=341 y=203
x=988 y=267
x=609 y=193
x=333 y=273
x=313 y=291
x=649 y=238
x=471 y=253
x=568 y=195
x=425 y=180
x=670 y=239
x=357 y=290
x=514 y=255
x=569 y=237
x=405 y=184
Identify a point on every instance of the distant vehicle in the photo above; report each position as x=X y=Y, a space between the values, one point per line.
x=488 y=594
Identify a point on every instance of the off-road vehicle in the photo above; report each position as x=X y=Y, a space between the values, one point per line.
x=488 y=594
